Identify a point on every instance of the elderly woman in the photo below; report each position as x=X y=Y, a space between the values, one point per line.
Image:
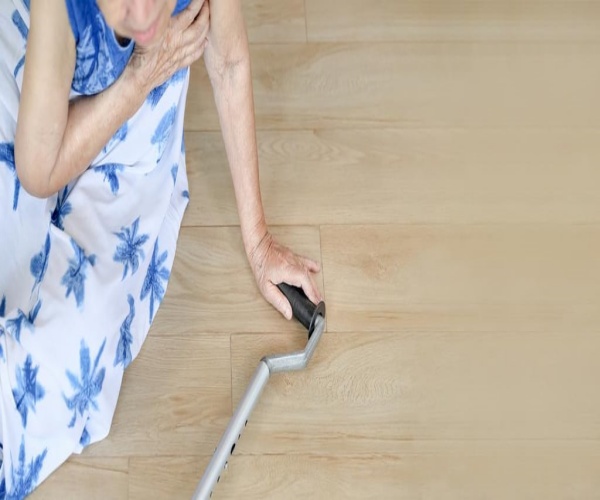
x=93 y=188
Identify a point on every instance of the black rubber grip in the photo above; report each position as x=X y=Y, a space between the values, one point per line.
x=303 y=309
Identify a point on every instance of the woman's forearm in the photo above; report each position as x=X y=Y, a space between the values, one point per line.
x=232 y=87
x=92 y=121
x=89 y=123
x=227 y=59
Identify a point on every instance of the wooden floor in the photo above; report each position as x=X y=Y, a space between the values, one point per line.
x=441 y=158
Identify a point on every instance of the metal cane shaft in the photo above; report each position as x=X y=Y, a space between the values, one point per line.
x=232 y=433
x=313 y=318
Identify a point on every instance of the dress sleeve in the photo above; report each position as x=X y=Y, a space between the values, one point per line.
x=78 y=16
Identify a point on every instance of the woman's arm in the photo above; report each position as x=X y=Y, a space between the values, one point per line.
x=227 y=58
x=56 y=140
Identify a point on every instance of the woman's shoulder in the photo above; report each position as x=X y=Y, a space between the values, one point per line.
x=82 y=14
x=101 y=58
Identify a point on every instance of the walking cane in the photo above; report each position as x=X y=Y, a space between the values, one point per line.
x=312 y=318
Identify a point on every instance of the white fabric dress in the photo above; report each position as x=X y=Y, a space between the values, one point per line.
x=83 y=272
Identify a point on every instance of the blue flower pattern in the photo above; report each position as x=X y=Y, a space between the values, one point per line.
x=153 y=284
x=24 y=31
x=129 y=251
x=62 y=209
x=85 y=437
x=120 y=136
x=15 y=325
x=110 y=174
x=24 y=478
x=88 y=385
x=7 y=156
x=123 y=356
x=28 y=391
x=157 y=93
x=2 y=314
x=74 y=278
x=161 y=135
x=39 y=263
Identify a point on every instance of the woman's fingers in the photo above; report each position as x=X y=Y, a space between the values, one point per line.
x=194 y=39
x=187 y=16
x=273 y=264
x=300 y=280
x=307 y=284
x=203 y=27
x=278 y=300
x=306 y=269
x=199 y=28
x=193 y=54
x=195 y=35
x=190 y=46
x=203 y=18
x=311 y=265
x=298 y=274
x=182 y=44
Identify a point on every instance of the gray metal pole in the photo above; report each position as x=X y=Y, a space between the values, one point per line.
x=268 y=365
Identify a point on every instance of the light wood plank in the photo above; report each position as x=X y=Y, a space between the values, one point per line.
x=87 y=477
x=212 y=287
x=458 y=20
x=415 y=85
x=433 y=471
x=176 y=396
x=462 y=278
x=371 y=392
x=405 y=176
x=423 y=470
x=165 y=478
x=275 y=21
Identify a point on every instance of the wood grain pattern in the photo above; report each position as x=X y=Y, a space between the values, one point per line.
x=165 y=478
x=462 y=277
x=415 y=85
x=423 y=471
x=394 y=176
x=275 y=21
x=176 y=397
x=212 y=286
x=371 y=392
x=87 y=477
x=459 y=20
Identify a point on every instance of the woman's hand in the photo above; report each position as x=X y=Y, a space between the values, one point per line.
x=273 y=263
x=182 y=44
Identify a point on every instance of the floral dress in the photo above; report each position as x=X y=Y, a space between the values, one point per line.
x=83 y=272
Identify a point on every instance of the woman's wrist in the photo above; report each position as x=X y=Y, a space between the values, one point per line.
x=253 y=236
x=136 y=79
x=136 y=86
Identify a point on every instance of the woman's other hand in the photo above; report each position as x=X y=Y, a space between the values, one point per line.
x=273 y=263
x=182 y=44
